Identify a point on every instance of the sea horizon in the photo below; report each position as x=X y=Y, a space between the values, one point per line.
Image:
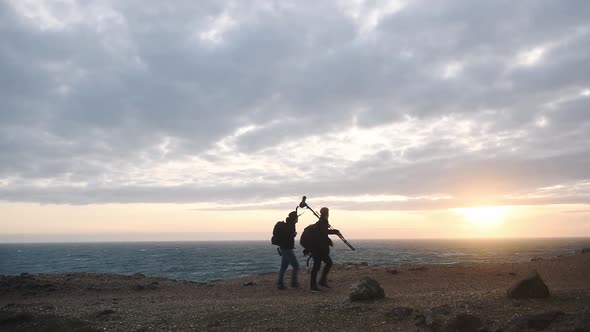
x=264 y=240
x=212 y=260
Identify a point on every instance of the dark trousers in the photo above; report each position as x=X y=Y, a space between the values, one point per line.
x=317 y=262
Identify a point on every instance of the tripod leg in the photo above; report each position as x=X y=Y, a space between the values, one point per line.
x=346 y=242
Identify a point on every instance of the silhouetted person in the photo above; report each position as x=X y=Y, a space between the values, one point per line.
x=321 y=251
x=287 y=253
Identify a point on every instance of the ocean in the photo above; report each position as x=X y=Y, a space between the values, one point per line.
x=205 y=261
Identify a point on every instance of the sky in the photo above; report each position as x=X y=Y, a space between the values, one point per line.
x=154 y=120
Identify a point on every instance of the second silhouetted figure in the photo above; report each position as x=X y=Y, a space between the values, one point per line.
x=320 y=252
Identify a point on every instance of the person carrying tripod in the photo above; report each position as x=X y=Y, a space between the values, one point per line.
x=321 y=250
x=316 y=243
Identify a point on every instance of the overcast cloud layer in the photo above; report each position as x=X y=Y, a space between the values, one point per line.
x=247 y=104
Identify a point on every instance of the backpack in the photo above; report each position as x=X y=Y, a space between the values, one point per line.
x=279 y=234
x=309 y=239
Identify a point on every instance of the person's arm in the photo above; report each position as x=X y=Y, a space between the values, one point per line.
x=293 y=231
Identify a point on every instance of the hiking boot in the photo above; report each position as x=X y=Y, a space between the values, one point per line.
x=281 y=286
x=325 y=285
x=315 y=290
x=294 y=285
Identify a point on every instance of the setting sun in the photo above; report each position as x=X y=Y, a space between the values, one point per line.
x=485 y=216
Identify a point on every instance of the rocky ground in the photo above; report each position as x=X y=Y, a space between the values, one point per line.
x=462 y=297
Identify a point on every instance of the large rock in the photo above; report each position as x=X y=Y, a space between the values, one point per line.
x=366 y=289
x=531 y=287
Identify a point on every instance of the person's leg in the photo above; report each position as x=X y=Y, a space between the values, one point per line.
x=325 y=271
x=284 y=266
x=295 y=267
x=317 y=263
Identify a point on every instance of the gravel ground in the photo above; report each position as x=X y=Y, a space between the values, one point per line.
x=435 y=298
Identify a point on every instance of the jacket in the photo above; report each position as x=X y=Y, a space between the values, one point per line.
x=290 y=233
x=324 y=241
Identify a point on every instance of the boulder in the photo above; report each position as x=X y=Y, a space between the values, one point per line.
x=366 y=289
x=531 y=287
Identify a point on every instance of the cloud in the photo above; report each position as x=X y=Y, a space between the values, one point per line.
x=227 y=103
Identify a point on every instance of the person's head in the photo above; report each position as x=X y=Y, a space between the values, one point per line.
x=324 y=212
x=292 y=217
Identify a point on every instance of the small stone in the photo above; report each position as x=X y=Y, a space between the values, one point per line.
x=464 y=322
x=419 y=268
x=400 y=313
x=105 y=312
x=429 y=321
x=444 y=309
x=538 y=321
x=466 y=306
x=419 y=319
x=249 y=283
